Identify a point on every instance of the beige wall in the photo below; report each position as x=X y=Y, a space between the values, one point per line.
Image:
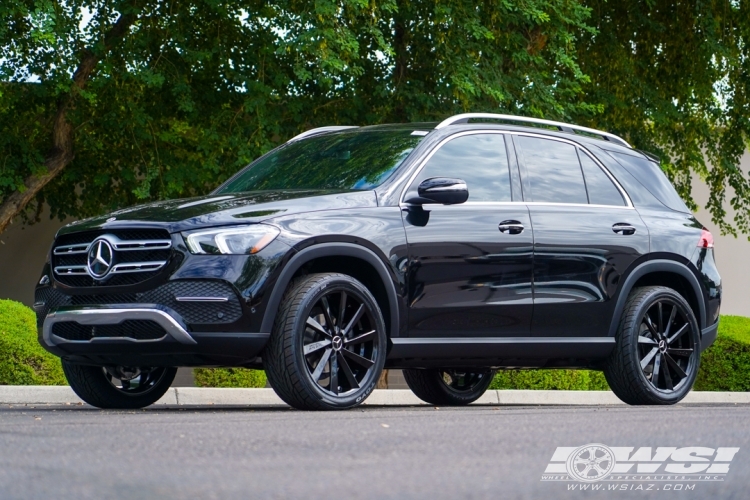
x=23 y=252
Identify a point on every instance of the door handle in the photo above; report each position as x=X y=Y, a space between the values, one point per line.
x=624 y=228
x=510 y=227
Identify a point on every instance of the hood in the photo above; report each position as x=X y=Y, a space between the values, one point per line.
x=224 y=210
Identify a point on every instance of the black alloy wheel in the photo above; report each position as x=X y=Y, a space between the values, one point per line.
x=448 y=387
x=657 y=351
x=328 y=346
x=118 y=387
x=665 y=346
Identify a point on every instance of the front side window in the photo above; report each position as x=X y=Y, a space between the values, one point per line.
x=351 y=160
x=479 y=159
x=553 y=171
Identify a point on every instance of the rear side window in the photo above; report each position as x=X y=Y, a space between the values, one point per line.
x=479 y=159
x=653 y=179
x=554 y=171
x=600 y=187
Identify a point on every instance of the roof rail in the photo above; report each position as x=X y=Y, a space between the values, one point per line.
x=320 y=130
x=564 y=127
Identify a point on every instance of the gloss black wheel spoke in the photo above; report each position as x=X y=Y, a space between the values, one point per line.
x=655 y=374
x=317 y=327
x=365 y=337
x=646 y=360
x=316 y=346
x=321 y=365
x=646 y=340
x=672 y=314
x=678 y=334
x=327 y=314
x=666 y=375
x=660 y=316
x=342 y=309
x=334 y=385
x=357 y=316
x=675 y=366
x=347 y=371
x=651 y=327
x=363 y=362
x=680 y=352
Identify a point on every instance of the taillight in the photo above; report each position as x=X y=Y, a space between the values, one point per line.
x=707 y=239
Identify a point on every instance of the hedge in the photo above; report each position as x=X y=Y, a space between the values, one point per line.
x=229 y=377
x=22 y=360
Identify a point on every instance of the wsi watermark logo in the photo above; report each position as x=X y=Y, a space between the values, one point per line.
x=665 y=467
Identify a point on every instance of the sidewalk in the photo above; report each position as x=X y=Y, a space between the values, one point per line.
x=61 y=395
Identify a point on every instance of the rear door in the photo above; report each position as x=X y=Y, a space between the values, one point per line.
x=586 y=235
x=470 y=265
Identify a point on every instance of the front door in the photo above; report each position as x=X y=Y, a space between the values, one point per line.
x=586 y=236
x=470 y=265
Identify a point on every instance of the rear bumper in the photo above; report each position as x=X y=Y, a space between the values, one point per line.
x=708 y=335
x=177 y=347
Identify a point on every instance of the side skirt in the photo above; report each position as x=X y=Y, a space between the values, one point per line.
x=505 y=352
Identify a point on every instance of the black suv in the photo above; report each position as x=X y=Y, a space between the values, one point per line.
x=448 y=251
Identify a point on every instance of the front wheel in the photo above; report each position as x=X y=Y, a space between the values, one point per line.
x=328 y=344
x=656 y=355
x=119 y=387
x=448 y=387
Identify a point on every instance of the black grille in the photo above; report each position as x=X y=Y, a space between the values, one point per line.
x=166 y=295
x=121 y=257
x=134 y=329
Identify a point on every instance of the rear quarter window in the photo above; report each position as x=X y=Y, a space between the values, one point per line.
x=653 y=179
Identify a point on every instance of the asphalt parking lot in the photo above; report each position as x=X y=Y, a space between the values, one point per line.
x=374 y=452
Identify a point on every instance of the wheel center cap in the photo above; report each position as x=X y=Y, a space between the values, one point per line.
x=337 y=343
x=662 y=346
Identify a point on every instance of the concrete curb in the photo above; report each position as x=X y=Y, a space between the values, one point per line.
x=63 y=395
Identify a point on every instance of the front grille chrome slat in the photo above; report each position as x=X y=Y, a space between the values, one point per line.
x=137 y=267
x=72 y=270
x=130 y=252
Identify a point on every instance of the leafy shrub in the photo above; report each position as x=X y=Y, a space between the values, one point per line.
x=229 y=377
x=22 y=360
x=725 y=366
x=561 y=380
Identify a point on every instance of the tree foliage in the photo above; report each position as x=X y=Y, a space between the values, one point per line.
x=151 y=99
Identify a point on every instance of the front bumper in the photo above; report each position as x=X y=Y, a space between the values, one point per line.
x=108 y=342
x=708 y=335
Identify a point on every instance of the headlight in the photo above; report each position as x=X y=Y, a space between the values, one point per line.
x=231 y=240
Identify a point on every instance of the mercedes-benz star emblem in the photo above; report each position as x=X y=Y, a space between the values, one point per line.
x=100 y=258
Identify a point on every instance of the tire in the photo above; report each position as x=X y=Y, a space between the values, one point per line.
x=448 y=387
x=94 y=385
x=656 y=355
x=335 y=363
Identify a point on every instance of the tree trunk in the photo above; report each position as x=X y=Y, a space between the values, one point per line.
x=62 y=153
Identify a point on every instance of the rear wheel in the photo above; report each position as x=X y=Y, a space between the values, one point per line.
x=448 y=387
x=118 y=387
x=328 y=344
x=656 y=357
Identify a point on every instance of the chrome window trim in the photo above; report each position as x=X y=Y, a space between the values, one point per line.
x=440 y=144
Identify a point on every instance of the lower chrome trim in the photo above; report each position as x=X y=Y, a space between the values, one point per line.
x=202 y=299
x=113 y=316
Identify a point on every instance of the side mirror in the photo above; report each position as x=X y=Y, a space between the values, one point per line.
x=444 y=190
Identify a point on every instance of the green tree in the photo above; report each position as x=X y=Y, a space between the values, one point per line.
x=673 y=77
x=107 y=103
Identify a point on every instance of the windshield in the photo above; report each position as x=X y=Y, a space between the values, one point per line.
x=356 y=160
